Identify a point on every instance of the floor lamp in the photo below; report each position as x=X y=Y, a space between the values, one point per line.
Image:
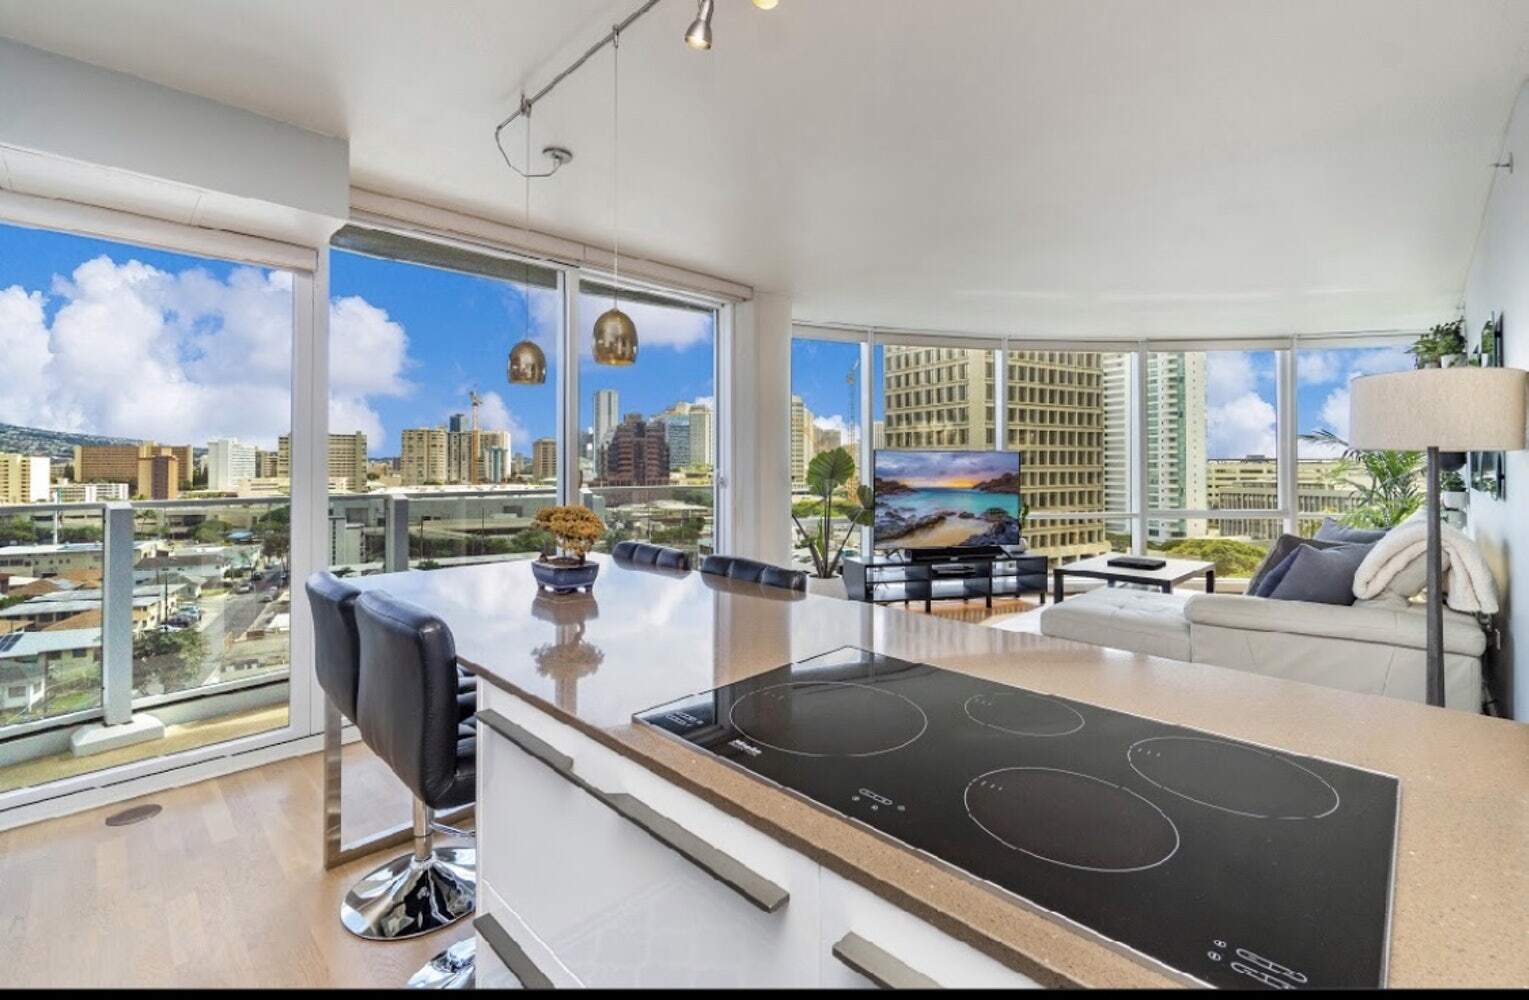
x=1434 y=410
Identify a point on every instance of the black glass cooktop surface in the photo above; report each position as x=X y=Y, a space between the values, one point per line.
x=1233 y=864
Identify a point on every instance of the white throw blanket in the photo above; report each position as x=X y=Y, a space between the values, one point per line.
x=1468 y=584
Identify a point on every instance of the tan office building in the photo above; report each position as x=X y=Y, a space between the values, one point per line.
x=347 y=460
x=23 y=478
x=544 y=459
x=118 y=463
x=801 y=441
x=424 y=459
x=159 y=477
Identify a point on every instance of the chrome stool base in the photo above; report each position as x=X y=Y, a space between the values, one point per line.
x=452 y=969
x=408 y=896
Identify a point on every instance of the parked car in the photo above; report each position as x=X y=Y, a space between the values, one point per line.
x=267 y=596
x=245 y=588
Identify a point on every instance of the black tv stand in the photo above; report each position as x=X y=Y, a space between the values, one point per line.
x=948 y=574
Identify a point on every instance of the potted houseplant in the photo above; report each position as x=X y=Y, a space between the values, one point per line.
x=1452 y=493
x=1442 y=346
x=575 y=529
x=828 y=477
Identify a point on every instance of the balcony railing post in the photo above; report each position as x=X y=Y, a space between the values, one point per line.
x=395 y=548
x=117 y=614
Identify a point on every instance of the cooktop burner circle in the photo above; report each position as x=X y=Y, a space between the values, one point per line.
x=1023 y=713
x=1233 y=777
x=828 y=719
x=1071 y=819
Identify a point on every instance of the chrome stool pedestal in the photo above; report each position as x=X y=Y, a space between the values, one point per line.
x=452 y=969
x=421 y=892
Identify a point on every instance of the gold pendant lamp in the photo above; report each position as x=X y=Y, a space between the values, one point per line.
x=615 y=335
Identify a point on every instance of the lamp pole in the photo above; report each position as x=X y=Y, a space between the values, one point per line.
x=1435 y=585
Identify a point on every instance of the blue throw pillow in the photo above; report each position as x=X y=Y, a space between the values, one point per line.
x=1332 y=531
x=1322 y=576
x=1264 y=586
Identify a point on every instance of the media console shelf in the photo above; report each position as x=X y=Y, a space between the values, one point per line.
x=957 y=574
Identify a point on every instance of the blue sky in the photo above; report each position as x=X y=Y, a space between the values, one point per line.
x=105 y=338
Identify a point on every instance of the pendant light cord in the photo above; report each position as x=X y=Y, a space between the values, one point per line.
x=616 y=162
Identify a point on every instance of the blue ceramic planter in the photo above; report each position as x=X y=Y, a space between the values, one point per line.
x=562 y=579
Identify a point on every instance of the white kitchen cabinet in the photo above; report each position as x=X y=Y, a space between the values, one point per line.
x=592 y=897
x=880 y=944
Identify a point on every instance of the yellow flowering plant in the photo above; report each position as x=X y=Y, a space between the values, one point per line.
x=575 y=527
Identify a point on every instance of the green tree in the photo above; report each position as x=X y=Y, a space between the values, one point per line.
x=211 y=530
x=173 y=660
x=17 y=531
x=1233 y=557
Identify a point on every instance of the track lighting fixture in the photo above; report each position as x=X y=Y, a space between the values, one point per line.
x=699 y=35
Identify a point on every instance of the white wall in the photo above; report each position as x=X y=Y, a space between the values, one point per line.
x=761 y=388
x=72 y=130
x=1499 y=282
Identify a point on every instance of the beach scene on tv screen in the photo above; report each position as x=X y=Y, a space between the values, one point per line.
x=935 y=499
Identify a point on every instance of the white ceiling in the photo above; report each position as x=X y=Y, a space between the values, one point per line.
x=1045 y=167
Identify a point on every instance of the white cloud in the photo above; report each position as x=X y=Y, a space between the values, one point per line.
x=134 y=351
x=1229 y=376
x=1320 y=367
x=1240 y=426
x=834 y=422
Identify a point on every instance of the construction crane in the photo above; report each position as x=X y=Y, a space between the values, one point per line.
x=474 y=442
x=854 y=399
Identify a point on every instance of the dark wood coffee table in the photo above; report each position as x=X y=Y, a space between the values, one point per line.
x=1098 y=568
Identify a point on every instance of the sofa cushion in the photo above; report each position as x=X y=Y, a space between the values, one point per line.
x=1264 y=586
x=1333 y=531
x=1142 y=621
x=1281 y=550
x=1405 y=627
x=1321 y=576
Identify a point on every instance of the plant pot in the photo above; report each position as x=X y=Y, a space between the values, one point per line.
x=827 y=586
x=564 y=576
x=1452 y=360
x=1453 y=499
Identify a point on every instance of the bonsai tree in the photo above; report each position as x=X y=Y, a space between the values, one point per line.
x=828 y=473
x=575 y=528
x=1392 y=493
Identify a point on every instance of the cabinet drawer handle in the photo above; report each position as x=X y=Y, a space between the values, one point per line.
x=879 y=966
x=726 y=869
x=511 y=954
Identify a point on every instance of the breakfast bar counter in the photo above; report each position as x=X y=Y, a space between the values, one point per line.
x=564 y=676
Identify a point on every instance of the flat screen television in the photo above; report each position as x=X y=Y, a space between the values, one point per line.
x=945 y=499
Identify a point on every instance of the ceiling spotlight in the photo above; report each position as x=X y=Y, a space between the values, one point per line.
x=766 y=4
x=699 y=35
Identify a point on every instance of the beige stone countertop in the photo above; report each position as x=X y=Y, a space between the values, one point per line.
x=644 y=638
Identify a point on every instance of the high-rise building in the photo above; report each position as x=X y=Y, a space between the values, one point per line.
x=494 y=456
x=701 y=424
x=638 y=454
x=677 y=437
x=607 y=418
x=1056 y=421
x=345 y=541
x=937 y=397
x=266 y=463
x=118 y=463
x=801 y=441
x=1116 y=373
x=1175 y=432
x=461 y=462
x=544 y=459
x=228 y=462
x=425 y=460
x=23 y=478
x=159 y=477
x=826 y=439
x=457 y=423
x=347 y=459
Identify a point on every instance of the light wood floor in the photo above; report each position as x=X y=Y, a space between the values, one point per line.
x=225 y=888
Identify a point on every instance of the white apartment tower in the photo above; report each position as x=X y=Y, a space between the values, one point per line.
x=228 y=464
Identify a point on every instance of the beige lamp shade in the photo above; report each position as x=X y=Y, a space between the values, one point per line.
x=1452 y=409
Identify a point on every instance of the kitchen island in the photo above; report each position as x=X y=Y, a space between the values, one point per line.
x=611 y=853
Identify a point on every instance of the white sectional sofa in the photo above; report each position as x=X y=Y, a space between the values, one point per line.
x=1377 y=649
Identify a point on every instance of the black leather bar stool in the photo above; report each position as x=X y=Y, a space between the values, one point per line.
x=645 y=554
x=738 y=568
x=409 y=710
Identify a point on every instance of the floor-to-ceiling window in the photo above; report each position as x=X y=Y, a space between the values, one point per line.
x=827 y=384
x=426 y=429
x=1366 y=490
x=1211 y=437
x=156 y=382
x=648 y=433
x=1068 y=415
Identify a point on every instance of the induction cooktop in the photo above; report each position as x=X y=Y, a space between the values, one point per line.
x=1229 y=863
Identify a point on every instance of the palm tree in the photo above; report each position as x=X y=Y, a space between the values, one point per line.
x=1392 y=493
